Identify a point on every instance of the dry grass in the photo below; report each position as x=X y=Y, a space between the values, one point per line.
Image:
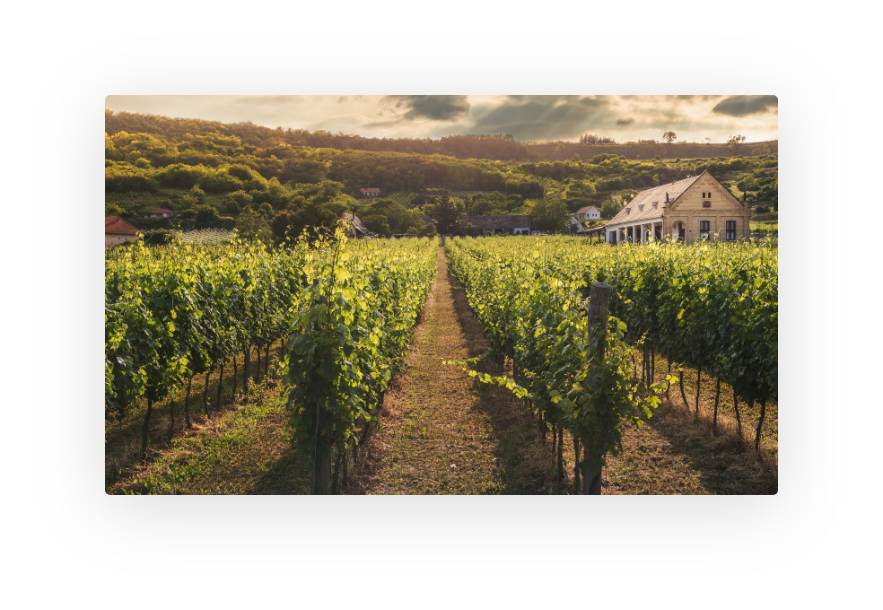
x=239 y=449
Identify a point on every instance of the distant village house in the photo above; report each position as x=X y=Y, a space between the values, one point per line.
x=370 y=192
x=354 y=226
x=118 y=231
x=588 y=213
x=575 y=225
x=492 y=225
x=159 y=213
x=689 y=210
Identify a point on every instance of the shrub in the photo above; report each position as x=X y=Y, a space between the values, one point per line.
x=160 y=237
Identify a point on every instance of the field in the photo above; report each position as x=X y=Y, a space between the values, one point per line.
x=399 y=367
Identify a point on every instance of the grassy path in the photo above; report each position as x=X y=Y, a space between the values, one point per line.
x=442 y=432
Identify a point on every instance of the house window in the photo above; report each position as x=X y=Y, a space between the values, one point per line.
x=704 y=229
x=731 y=230
x=706 y=204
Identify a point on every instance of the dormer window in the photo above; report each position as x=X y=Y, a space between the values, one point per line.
x=628 y=211
x=641 y=207
x=655 y=204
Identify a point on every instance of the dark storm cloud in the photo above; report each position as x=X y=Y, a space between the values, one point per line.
x=742 y=105
x=433 y=107
x=543 y=116
x=624 y=122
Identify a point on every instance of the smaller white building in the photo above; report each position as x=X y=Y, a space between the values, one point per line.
x=577 y=226
x=588 y=213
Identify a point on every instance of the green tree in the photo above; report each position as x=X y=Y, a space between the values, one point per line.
x=288 y=225
x=427 y=229
x=197 y=193
x=206 y=213
x=238 y=200
x=252 y=226
x=377 y=223
x=669 y=137
x=734 y=143
x=610 y=208
x=446 y=215
x=471 y=230
x=112 y=209
x=550 y=215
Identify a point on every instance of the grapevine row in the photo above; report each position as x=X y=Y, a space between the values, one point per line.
x=712 y=306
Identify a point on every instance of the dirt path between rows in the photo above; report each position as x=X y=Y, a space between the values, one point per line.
x=441 y=432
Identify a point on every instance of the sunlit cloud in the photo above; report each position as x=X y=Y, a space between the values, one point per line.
x=528 y=118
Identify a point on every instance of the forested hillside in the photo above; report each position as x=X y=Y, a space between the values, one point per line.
x=274 y=182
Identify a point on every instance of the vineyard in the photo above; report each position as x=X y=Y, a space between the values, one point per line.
x=177 y=312
x=714 y=307
x=208 y=236
x=339 y=319
x=403 y=199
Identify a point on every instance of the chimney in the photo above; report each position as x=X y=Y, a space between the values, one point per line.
x=744 y=196
x=666 y=198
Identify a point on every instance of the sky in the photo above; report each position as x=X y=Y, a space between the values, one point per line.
x=527 y=117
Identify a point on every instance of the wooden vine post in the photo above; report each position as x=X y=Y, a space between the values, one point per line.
x=321 y=477
x=599 y=305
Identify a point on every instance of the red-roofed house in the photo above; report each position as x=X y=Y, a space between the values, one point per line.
x=159 y=212
x=117 y=231
x=370 y=192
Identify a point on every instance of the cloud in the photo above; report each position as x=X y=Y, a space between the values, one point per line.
x=433 y=107
x=742 y=105
x=541 y=116
x=624 y=122
x=268 y=100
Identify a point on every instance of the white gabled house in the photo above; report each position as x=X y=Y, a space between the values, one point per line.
x=588 y=213
x=689 y=210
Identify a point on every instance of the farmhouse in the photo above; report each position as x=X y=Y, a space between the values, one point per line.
x=354 y=226
x=690 y=210
x=159 y=213
x=588 y=213
x=372 y=192
x=514 y=224
x=117 y=231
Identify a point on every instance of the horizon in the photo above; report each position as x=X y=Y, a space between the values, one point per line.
x=533 y=118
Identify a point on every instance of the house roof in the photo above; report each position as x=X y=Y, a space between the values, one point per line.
x=497 y=222
x=353 y=221
x=586 y=209
x=161 y=211
x=118 y=226
x=371 y=190
x=642 y=206
x=426 y=219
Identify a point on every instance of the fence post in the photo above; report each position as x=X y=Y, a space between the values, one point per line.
x=599 y=304
x=320 y=481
